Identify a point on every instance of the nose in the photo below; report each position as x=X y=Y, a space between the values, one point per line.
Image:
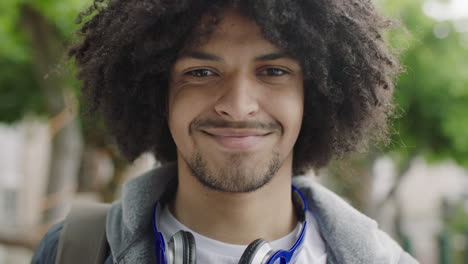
x=238 y=100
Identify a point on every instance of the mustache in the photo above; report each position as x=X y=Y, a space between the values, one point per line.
x=212 y=123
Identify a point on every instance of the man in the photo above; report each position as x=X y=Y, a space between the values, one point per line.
x=236 y=97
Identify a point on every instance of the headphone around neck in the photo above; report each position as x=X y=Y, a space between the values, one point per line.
x=181 y=248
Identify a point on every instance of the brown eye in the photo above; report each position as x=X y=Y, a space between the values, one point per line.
x=200 y=73
x=273 y=72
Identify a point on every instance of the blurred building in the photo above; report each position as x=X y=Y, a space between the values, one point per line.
x=24 y=159
x=419 y=203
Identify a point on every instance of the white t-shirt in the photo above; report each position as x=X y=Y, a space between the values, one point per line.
x=210 y=251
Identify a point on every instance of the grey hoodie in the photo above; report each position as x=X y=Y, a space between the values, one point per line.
x=350 y=236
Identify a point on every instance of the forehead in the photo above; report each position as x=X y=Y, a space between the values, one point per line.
x=233 y=31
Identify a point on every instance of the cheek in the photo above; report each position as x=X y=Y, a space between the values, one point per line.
x=288 y=109
x=183 y=107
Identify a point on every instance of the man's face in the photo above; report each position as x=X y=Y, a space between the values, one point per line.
x=235 y=107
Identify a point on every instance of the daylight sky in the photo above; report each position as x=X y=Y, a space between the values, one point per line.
x=450 y=10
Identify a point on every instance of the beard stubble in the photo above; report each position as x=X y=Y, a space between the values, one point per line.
x=234 y=176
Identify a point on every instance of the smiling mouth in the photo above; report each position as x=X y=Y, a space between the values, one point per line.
x=223 y=132
x=242 y=140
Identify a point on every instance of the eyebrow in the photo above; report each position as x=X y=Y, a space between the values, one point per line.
x=273 y=56
x=200 y=55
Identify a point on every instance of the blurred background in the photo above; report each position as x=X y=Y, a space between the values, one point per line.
x=416 y=187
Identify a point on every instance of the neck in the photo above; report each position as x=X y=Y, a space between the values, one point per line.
x=236 y=218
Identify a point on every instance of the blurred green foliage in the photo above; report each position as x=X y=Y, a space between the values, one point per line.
x=458 y=219
x=432 y=96
x=19 y=88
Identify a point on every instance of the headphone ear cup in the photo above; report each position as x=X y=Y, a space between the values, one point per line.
x=184 y=248
x=190 y=253
x=255 y=252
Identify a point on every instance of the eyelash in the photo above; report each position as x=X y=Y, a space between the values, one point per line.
x=196 y=73
x=200 y=73
x=270 y=70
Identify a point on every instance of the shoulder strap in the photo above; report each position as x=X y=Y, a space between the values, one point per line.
x=83 y=238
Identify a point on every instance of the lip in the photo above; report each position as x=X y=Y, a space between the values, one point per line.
x=229 y=132
x=237 y=139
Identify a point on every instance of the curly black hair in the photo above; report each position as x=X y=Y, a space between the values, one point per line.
x=128 y=47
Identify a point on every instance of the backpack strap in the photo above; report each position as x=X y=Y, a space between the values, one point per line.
x=83 y=238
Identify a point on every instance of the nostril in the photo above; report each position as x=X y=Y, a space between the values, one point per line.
x=236 y=110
